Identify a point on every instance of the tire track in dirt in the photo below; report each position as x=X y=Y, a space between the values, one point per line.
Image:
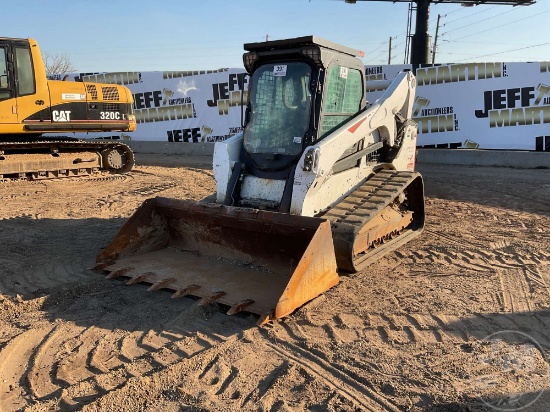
x=43 y=380
x=14 y=369
x=217 y=376
x=539 y=277
x=476 y=257
x=515 y=293
x=204 y=370
x=388 y=330
x=68 y=366
x=344 y=383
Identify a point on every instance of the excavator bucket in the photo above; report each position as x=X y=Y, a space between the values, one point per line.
x=255 y=261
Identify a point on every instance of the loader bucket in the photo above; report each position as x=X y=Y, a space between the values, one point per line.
x=255 y=261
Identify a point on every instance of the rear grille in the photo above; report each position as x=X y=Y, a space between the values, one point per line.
x=110 y=93
x=92 y=90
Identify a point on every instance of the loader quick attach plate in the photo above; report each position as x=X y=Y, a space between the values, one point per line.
x=256 y=261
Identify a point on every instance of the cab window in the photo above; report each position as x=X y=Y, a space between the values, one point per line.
x=344 y=91
x=4 y=92
x=280 y=109
x=25 y=72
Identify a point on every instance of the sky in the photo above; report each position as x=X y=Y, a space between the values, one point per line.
x=175 y=35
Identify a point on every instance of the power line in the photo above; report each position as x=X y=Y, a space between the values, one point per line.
x=460 y=8
x=484 y=42
x=469 y=15
x=508 y=51
x=477 y=22
x=502 y=25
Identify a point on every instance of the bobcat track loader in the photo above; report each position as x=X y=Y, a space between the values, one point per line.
x=315 y=183
x=32 y=106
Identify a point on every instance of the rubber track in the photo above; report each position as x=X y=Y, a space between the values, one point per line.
x=362 y=205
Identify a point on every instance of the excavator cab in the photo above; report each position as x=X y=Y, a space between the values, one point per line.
x=18 y=86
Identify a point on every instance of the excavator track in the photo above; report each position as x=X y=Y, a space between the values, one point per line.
x=382 y=214
x=53 y=159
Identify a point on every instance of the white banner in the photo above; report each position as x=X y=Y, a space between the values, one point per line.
x=180 y=106
x=485 y=105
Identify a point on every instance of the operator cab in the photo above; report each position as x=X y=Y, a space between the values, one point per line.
x=300 y=90
x=16 y=69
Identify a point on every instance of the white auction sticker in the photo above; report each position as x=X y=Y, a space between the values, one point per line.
x=279 y=70
x=73 y=96
x=344 y=72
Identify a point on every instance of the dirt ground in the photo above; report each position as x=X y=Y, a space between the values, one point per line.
x=457 y=320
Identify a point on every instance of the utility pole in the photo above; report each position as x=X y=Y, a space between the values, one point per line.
x=435 y=40
x=389 y=53
x=421 y=39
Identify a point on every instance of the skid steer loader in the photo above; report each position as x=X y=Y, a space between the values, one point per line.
x=316 y=183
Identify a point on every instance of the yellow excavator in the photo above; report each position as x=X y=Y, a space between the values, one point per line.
x=316 y=183
x=32 y=106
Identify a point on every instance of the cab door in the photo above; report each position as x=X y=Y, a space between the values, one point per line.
x=31 y=88
x=8 y=104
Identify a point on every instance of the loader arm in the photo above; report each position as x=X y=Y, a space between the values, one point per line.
x=373 y=125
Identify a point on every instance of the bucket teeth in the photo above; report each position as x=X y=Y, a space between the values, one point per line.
x=161 y=284
x=185 y=291
x=240 y=306
x=102 y=265
x=265 y=318
x=206 y=251
x=139 y=278
x=211 y=299
x=119 y=272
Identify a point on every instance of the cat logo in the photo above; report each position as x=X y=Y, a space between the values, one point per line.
x=61 y=115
